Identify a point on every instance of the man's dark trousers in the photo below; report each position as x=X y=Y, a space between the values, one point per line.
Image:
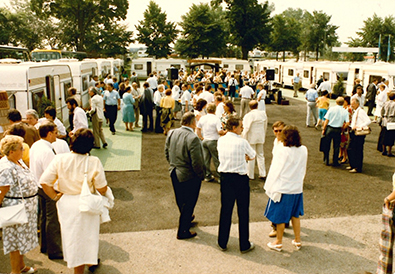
x=333 y=134
x=234 y=187
x=187 y=194
x=50 y=238
x=112 y=112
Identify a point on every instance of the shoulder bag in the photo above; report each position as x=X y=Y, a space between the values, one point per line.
x=13 y=215
x=362 y=130
x=90 y=203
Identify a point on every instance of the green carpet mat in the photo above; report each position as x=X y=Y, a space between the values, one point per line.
x=124 y=148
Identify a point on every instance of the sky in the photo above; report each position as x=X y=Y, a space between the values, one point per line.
x=347 y=14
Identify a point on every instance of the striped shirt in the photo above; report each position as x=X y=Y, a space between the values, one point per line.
x=232 y=151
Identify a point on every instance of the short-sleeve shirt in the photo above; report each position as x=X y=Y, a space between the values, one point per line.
x=337 y=116
x=68 y=169
x=210 y=124
x=111 y=98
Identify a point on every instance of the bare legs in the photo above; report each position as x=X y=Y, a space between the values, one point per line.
x=280 y=231
x=129 y=126
x=17 y=263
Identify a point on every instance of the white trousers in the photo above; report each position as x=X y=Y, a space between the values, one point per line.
x=260 y=159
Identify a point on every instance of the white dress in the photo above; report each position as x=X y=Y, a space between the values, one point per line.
x=261 y=102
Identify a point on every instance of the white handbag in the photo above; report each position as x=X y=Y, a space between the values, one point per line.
x=390 y=126
x=88 y=202
x=13 y=215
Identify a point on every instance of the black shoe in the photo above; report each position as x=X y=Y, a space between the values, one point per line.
x=96 y=147
x=391 y=155
x=384 y=153
x=252 y=246
x=187 y=235
x=105 y=145
x=56 y=256
x=94 y=267
x=113 y=132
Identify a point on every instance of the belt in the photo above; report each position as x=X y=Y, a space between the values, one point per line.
x=19 y=198
x=246 y=98
x=335 y=127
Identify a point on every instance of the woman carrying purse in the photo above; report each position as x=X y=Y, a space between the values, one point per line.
x=16 y=181
x=79 y=230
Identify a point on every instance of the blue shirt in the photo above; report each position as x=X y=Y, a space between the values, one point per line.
x=311 y=95
x=111 y=98
x=296 y=79
x=337 y=116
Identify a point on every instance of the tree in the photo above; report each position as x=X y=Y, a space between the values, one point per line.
x=80 y=17
x=155 y=32
x=249 y=23
x=320 y=33
x=203 y=32
x=369 y=35
x=109 y=40
x=285 y=35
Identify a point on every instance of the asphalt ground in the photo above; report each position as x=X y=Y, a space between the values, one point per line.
x=341 y=223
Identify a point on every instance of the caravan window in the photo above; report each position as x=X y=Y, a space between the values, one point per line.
x=290 y=72
x=85 y=83
x=66 y=88
x=11 y=100
x=344 y=74
x=138 y=66
x=239 y=67
x=226 y=66
x=325 y=75
x=37 y=96
x=305 y=74
x=276 y=70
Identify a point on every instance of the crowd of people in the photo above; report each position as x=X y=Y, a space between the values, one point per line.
x=213 y=144
x=346 y=124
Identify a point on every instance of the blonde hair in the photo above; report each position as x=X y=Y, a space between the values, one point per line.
x=10 y=142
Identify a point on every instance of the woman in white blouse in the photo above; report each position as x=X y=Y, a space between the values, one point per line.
x=284 y=186
x=79 y=230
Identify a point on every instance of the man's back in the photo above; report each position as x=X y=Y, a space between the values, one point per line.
x=255 y=124
x=183 y=151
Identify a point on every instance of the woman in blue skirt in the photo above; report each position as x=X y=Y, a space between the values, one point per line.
x=284 y=186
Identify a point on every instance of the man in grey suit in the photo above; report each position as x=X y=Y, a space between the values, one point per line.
x=184 y=153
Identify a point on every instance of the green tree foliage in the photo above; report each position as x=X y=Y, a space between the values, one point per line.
x=370 y=32
x=155 y=32
x=320 y=33
x=79 y=18
x=285 y=35
x=109 y=40
x=204 y=32
x=249 y=23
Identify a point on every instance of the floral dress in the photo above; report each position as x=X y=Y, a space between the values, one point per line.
x=19 y=237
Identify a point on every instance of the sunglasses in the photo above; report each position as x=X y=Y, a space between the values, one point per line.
x=277 y=130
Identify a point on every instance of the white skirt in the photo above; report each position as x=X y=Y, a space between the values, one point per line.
x=80 y=232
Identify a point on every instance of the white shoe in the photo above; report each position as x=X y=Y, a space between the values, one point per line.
x=278 y=247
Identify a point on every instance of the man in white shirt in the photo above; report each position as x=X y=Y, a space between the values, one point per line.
x=97 y=114
x=158 y=110
x=324 y=86
x=246 y=93
x=233 y=154
x=209 y=128
x=207 y=95
x=79 y=117
x=41 y=154
x=355 y=149
x=359 y=95
x=153 y=82
x=255 y=125
x=185 y=99
x=220 y=106
x=50 y=115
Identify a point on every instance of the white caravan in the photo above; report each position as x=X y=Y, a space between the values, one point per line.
x=28 y=83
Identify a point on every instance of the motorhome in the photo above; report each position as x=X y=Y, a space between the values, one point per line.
x=27 y=84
